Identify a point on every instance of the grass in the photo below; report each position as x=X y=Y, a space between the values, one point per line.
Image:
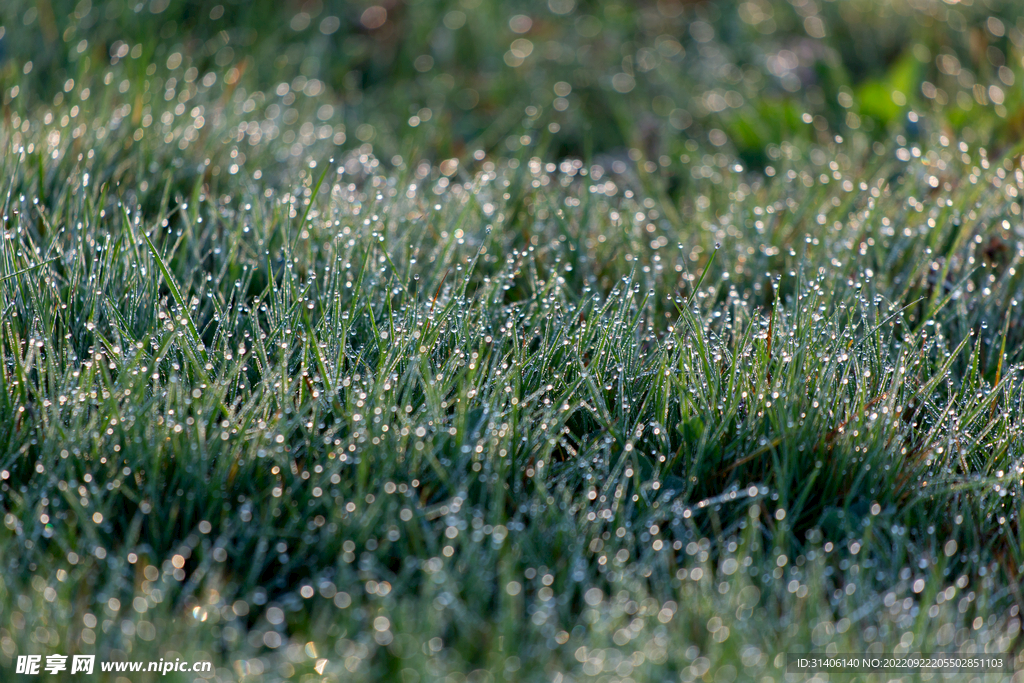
x=500 y=415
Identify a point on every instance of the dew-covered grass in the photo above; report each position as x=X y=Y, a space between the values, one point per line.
x=409 y=407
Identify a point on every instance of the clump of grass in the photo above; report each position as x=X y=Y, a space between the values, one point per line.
x=490 y=397
x=501 y=416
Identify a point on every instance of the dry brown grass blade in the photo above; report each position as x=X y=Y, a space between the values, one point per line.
x=999 y=367
x=433 y=302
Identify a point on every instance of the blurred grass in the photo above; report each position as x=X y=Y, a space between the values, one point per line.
x=645 y=75
x=720 y=361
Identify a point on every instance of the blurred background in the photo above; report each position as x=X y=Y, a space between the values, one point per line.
x=448 y=77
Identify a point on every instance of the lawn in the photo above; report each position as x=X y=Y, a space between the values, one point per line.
x=479 y=342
